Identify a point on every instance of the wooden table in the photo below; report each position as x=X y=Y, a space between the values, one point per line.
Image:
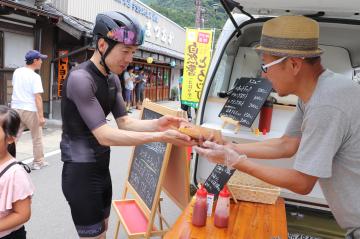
x=247 y=220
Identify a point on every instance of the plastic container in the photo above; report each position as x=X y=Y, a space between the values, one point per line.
x=200 y=208
x=222 y=211
x=266 y=115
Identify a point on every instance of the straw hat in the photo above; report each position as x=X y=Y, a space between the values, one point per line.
x=293 y=36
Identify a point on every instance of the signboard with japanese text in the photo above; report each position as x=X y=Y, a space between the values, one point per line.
x=217 y=179
x=197 y=56
x=62 y=70
x=246 y=99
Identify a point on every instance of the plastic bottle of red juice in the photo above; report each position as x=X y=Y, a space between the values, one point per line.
x=200 y=208
x=222 y=210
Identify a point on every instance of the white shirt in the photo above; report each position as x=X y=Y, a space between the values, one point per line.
x=26 y=83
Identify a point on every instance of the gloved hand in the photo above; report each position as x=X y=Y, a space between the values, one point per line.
x=220 y=154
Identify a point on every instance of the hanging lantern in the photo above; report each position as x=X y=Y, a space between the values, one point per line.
x=149 y=60
x=172 y=64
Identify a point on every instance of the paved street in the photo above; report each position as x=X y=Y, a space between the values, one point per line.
x=51 y=217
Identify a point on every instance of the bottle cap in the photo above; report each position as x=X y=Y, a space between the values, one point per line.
x=269 y=102
x=224 y=192
x=201 y=192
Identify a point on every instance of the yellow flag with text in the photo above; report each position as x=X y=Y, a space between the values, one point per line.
x=197 y=59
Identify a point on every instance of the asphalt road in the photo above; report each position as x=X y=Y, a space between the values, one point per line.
x=51 y=218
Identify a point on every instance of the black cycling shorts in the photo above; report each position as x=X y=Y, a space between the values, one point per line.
x=87 y=188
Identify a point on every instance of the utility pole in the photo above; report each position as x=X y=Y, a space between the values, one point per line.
x=198 y=14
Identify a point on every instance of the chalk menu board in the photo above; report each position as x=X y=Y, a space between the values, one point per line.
x=246 y=99
x=146 y=165
x=217 y=179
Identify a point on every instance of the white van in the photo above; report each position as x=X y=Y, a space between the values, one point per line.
x=234 y=57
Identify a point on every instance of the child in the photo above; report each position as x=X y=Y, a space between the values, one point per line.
x=16 y=187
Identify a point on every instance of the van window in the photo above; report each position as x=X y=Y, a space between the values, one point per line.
x=236 y=62
x=220 y=82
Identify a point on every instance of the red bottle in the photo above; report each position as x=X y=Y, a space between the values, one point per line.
x=222 y=210
x=266 y=115
x=200 y=208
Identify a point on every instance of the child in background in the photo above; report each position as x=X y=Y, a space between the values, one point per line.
x=16 y=187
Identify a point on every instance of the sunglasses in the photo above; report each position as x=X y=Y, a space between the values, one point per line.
x=265 y=68
x=126 y=36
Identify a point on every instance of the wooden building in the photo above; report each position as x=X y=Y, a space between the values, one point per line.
x=24 y=27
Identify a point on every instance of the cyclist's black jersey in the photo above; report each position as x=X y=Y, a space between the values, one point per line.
x=87 y=98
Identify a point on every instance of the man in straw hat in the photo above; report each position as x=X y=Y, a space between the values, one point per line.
x=324 y=132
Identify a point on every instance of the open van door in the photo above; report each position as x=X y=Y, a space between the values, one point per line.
x=234 y=57
x=326 y=8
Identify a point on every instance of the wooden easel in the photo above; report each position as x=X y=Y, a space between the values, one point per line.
x=175 y=169
x=228 y=120
x=179 y=168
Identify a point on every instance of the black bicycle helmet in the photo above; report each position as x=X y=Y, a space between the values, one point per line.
x=116 y=27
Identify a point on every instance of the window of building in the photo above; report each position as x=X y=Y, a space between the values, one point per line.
x=15 y=48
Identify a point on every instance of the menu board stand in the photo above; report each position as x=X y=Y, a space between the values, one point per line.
x=228 y=120
x=232 y=194
x=147 y=173
x=245 y=101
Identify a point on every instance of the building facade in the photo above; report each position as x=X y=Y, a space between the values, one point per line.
x=161 y=54
x=23 y=26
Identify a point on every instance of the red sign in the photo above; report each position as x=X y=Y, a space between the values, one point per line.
x=203 y=37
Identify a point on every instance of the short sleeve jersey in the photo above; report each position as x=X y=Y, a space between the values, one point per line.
x=85 y=105
x=329 y=127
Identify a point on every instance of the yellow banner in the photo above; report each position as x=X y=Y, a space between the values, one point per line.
x=197 y=59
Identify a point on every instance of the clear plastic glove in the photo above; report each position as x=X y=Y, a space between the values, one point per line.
x=220 y=154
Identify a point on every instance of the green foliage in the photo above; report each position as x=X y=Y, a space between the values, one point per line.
x=183 y=12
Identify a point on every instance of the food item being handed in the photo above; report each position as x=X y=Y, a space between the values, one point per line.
x=201 y=133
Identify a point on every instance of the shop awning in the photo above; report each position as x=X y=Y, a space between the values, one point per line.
x=76 y=27
x=29 y=10
x=80 y=28
x=151 y=47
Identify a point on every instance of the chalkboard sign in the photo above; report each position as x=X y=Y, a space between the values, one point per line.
x=246 y=99
x=154 y=167
x=217 y=179
x=146 y=165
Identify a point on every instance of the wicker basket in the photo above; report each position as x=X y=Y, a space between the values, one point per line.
x=248 y=188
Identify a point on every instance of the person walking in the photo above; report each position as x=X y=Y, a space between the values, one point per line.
x=140 y=82
x=90 y=93
x=16 y=188
x=322 y=136
x=27 y=101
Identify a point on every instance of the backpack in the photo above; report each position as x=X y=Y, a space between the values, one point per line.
x=25 y=166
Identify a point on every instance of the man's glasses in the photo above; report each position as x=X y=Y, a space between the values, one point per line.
x=265 y=68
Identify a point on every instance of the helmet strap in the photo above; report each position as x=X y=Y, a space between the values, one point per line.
x=111 y=45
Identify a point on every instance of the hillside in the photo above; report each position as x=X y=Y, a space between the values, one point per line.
x=183 y=12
